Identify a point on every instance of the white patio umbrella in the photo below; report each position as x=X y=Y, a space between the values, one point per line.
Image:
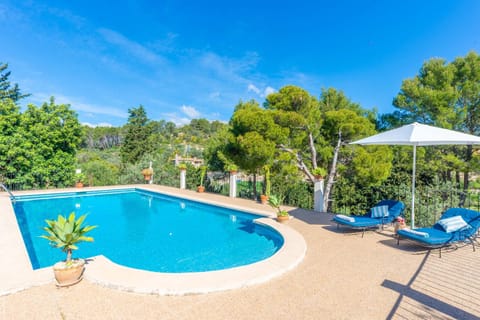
x=417 y=134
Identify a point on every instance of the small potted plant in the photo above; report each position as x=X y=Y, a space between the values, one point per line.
x=268 y=185
x=147 y=173
x=65 y=233
x=319 y=173
x=399 y=224
x=203 y=171
x=232 y=168
x=79 y=179
x=275 y=202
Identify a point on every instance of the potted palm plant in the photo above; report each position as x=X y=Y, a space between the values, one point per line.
x=147 y=173
x=65 y=233
x=203 y=171
x=79 y=179
x=275 y=202
x=319 y=173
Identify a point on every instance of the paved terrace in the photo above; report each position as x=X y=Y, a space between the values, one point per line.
x=342 y=276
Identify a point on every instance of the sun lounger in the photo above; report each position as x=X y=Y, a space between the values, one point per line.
x=455 y=225
x=384 y=212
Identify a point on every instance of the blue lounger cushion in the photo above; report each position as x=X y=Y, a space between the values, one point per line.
x=438 y=237
x=435 y=237
x=359 y=222
x=418 y=233
x=395 y=208
x=347 y=218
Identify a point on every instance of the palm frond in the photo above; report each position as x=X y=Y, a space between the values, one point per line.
x=65 y=233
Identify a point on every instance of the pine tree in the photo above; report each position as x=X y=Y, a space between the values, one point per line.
x=137 y=133
x=6 y=89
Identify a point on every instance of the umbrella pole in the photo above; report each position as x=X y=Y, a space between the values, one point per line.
x=413 y=185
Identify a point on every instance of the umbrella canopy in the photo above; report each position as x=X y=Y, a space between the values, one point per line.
x=417 y=134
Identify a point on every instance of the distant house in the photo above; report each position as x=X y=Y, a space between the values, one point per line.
x=196 y=162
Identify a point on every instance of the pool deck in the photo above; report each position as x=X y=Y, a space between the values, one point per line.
x=342 y=276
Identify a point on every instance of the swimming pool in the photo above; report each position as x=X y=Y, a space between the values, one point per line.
x=149 y=231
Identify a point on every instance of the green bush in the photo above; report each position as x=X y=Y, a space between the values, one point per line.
x=295 y=192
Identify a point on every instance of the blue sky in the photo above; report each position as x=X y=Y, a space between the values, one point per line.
x=197 y=59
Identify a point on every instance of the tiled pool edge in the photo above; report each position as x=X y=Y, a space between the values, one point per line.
x=104 y=272
x=207 y=198
x=16 y=273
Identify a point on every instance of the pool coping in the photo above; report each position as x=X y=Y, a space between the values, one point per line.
x=17 y=274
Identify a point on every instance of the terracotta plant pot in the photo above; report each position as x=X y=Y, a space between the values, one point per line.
x=263 y=199
x=79 y=184
x=67 y=276
x=200 y=189
x=283 y=219
x=147 y=177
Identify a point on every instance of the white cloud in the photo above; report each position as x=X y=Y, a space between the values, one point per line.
x=101 y=124
x=80 y=106
x=66 y=15
x=191 y=112
x=175 y=118
x=261 y=93
x=188 y=112
x=154 y=67
x=253 y=88
x=268 y=90
x=129 y=46
x=226 y=68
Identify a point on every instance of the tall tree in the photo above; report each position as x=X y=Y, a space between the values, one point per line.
x=446 y=95
x=430 y=96
x=467 y=84
x=298 y=112
x=15 y=150
x=38 y=147
x=55 y=135
x=362 y=166
x=102 y=137
x=136 y=136
x=216 y=148
x=7 y=91
x=318 y=131
x=254 y=138
x=345 y=121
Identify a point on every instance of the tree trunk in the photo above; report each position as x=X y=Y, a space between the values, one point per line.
x=69 y=255
x=466 y=183
x=300 y=164
x=332 y=174
x=468 y=158
x=457 y=179
x=313 y=150
x=255 y=186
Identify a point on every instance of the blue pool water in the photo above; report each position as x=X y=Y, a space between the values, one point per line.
x=149 y=231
